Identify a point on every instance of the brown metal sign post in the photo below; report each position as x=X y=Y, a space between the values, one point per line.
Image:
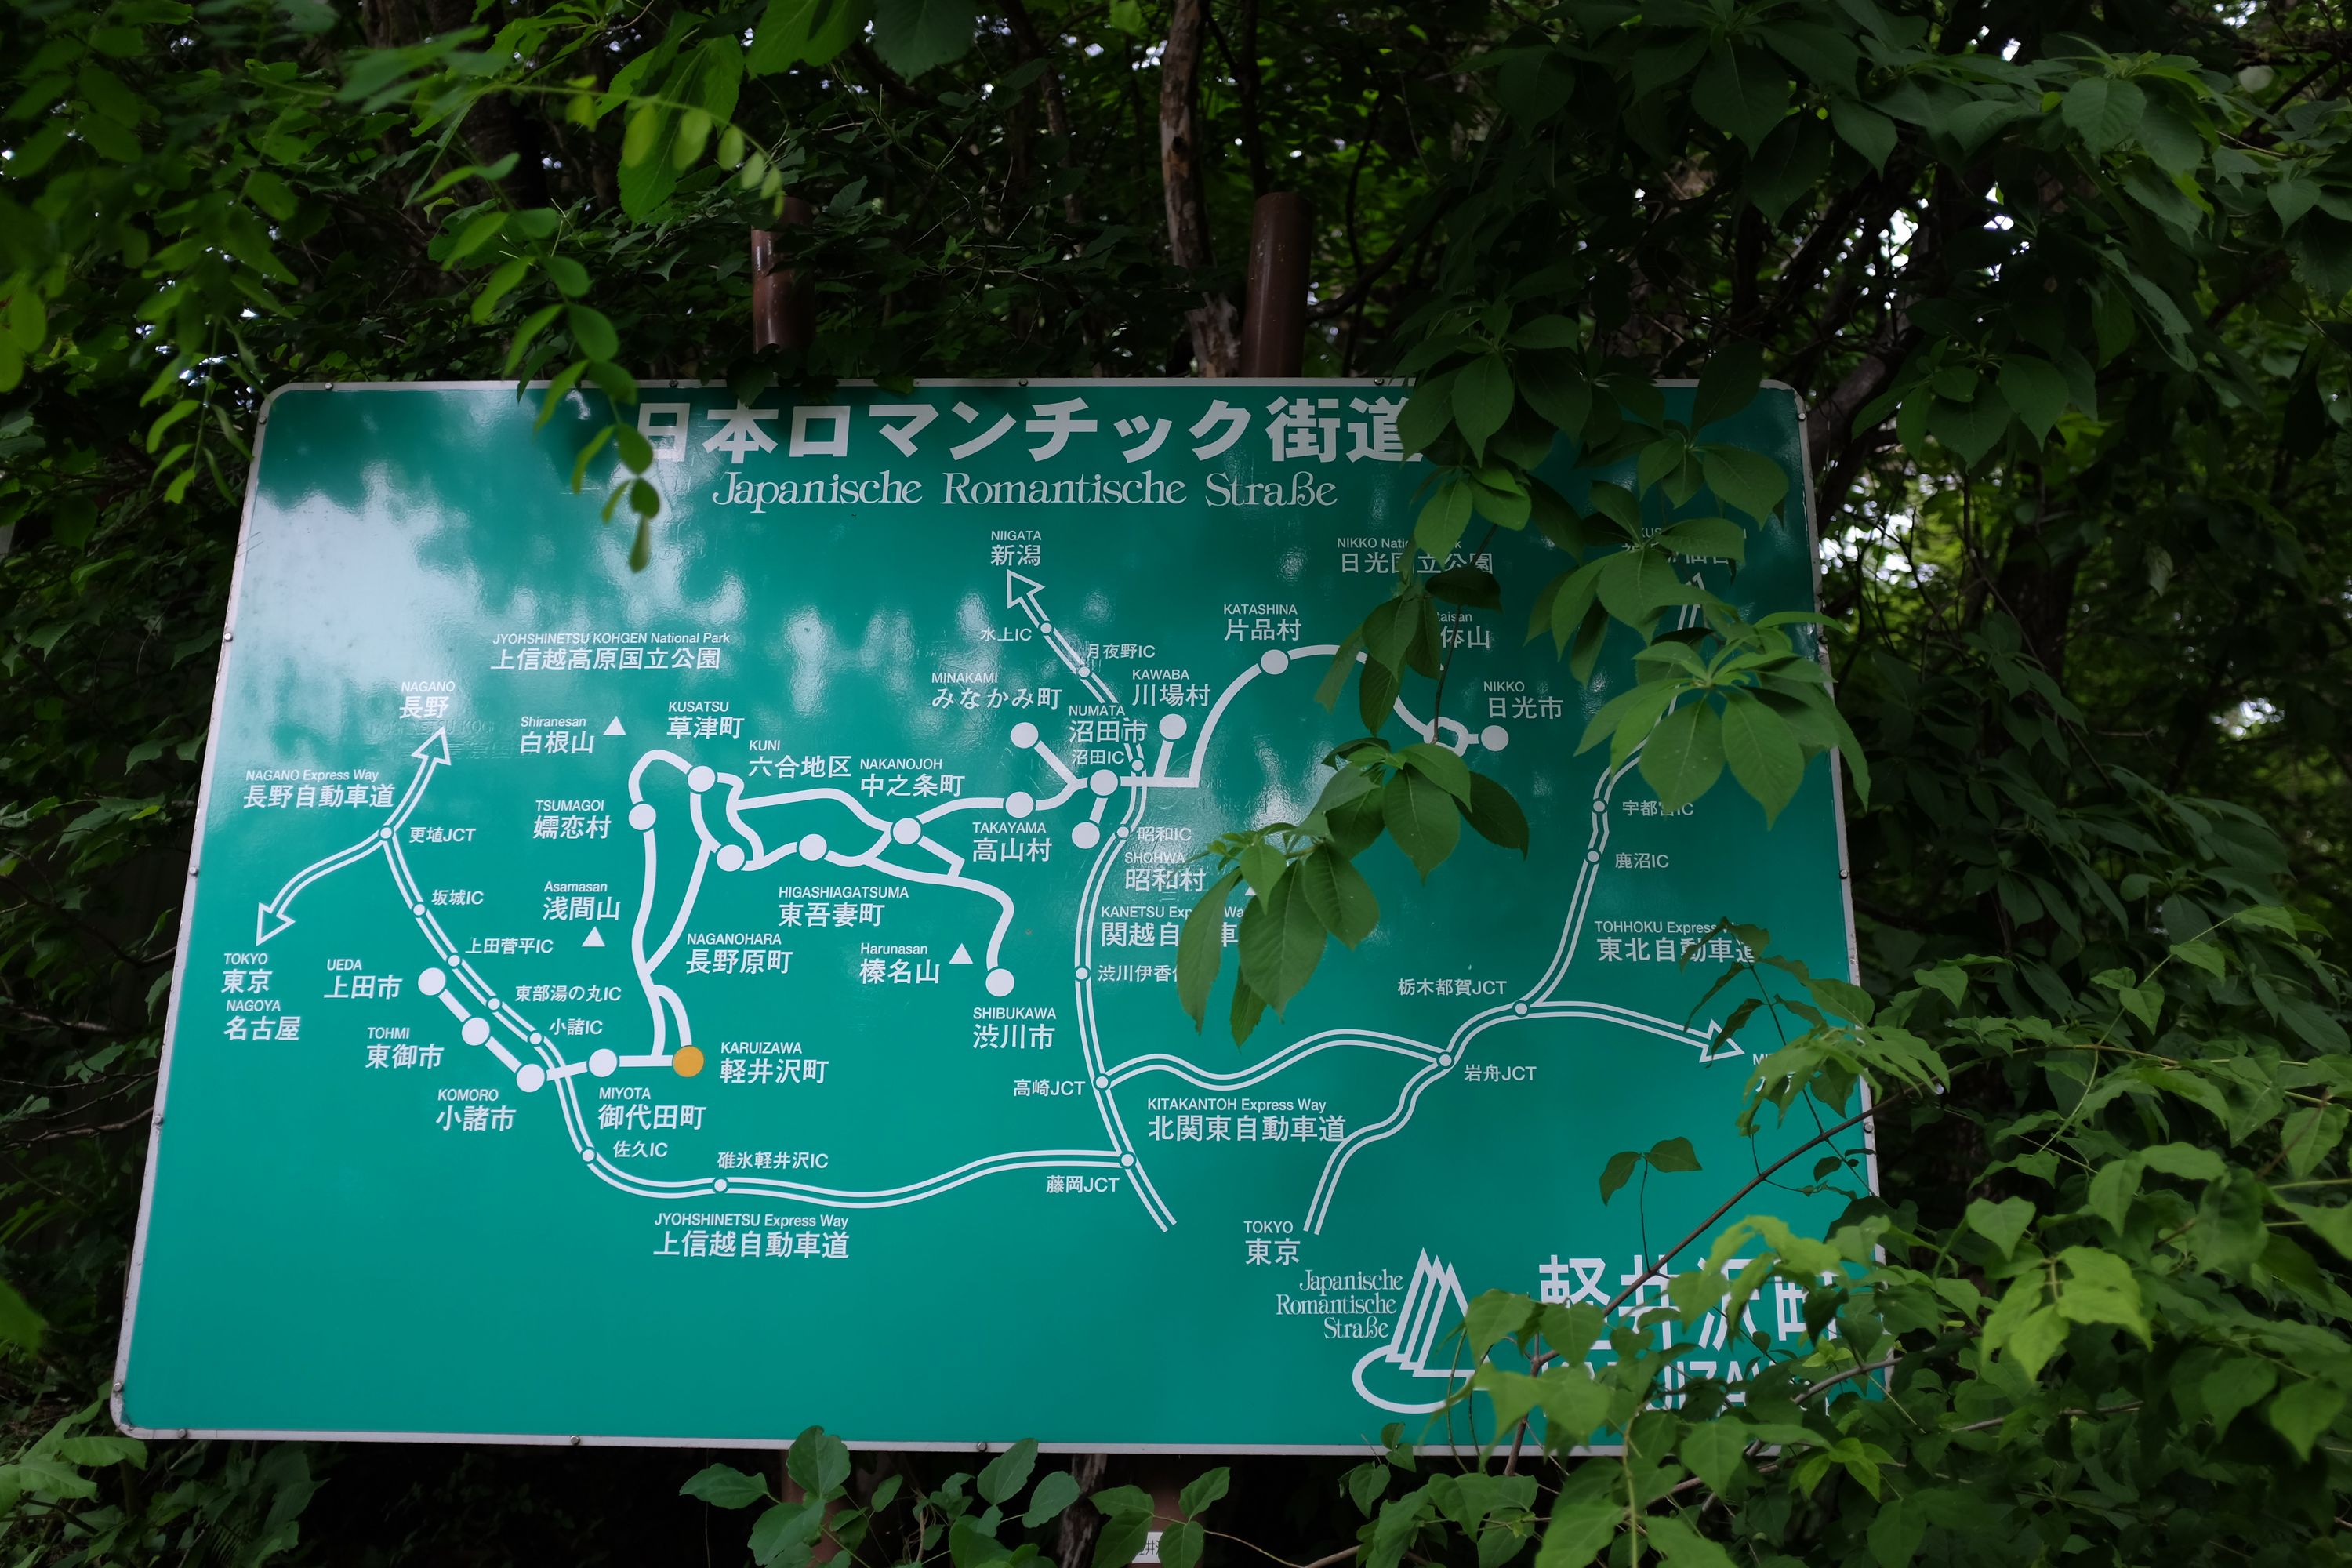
x=784 y=303
x=1274 y=322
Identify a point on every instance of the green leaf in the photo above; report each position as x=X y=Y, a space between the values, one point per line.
x=1763 y=753
x=1422 y=817
x=1684 y=756
x=819 y=1461
x=1494 y=816
x=1344 y=785
x=2310 y=1136
x=1705 y=539
x=644 y=133
x=2332 y=1225
x=2036 y=389
x=1204 y=1490
x=1123 y=1502
x=570 y=278
x=1741 y=91
x=971 y=1540
x=1389 y=628
x=478 y=232
x=1440 y=765
x=1007 y=1473
x=1727 y=383
x=2291 y=195
x=1122 y=1536
x=723 y=1486
x=1262 y=865
x=635 y=450
x=1055 y=1494
x=528 y=328
x=1749 y=481
x=1627 y=719
x=1426 y=412
x=1554 y=385
x=1201 y=949
x=2035 y=1341
x=1637 y=584
x=497 y=286
x=1280 y=941
x=45 y=1477
x=2002 y=1223
x=1843 y=998
x=2099 y=1289
x=1335 y=675
x=2236 y=1385
x=804 y=32
x=1577 y=1533
x=1973 y=428
x=1864 y=129
x=1376 y=694
x=1473 y=588
x=1618 y=1171
x=94 y=1449
x=2103 y=110
x=1547 y=332
x=1715 y=1451
x=1365 y=1483
x=592 y=331
x=1483 y=396
x=1672 y=1154
x=693 y=132
x=1180 y=1544
x=1338 y=894
x=1895 y=1532
x=2204 y=955
x=786 y=1528
x=1443 y=519
x=1494 y=1316
x=2303 y=1412
x=1684 y=1546
x=913 y=36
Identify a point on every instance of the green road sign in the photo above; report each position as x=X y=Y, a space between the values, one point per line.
x=691 y=1003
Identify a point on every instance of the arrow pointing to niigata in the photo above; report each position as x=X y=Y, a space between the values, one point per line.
x=1021 y=593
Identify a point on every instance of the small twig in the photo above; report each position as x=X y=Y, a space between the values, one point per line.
x=2060 y=1416
x=1336 y=1557
x=80 y=1131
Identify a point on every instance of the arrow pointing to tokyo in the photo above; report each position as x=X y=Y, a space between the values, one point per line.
x=273 y=918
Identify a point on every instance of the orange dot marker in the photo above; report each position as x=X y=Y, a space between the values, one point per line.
x=688 y=1061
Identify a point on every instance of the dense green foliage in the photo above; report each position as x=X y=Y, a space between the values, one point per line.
x=2062 y=287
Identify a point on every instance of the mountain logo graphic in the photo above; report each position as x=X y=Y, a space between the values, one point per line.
x=1424 y=1347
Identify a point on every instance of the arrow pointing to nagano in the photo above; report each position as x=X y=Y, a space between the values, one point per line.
x=272 y=916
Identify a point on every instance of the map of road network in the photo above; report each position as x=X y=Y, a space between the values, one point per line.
x=691 y=1003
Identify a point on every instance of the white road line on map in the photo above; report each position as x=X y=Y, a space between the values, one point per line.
x=1281 y=1061
x=1054 y=760
x=665 y=1004
x=1089 y=1046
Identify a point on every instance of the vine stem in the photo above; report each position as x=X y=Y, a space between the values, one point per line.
x=1519 y=1435
x=1437 y=696
x=1332 y=1560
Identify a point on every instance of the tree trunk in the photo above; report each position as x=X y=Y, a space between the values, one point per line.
x=1215 y=323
